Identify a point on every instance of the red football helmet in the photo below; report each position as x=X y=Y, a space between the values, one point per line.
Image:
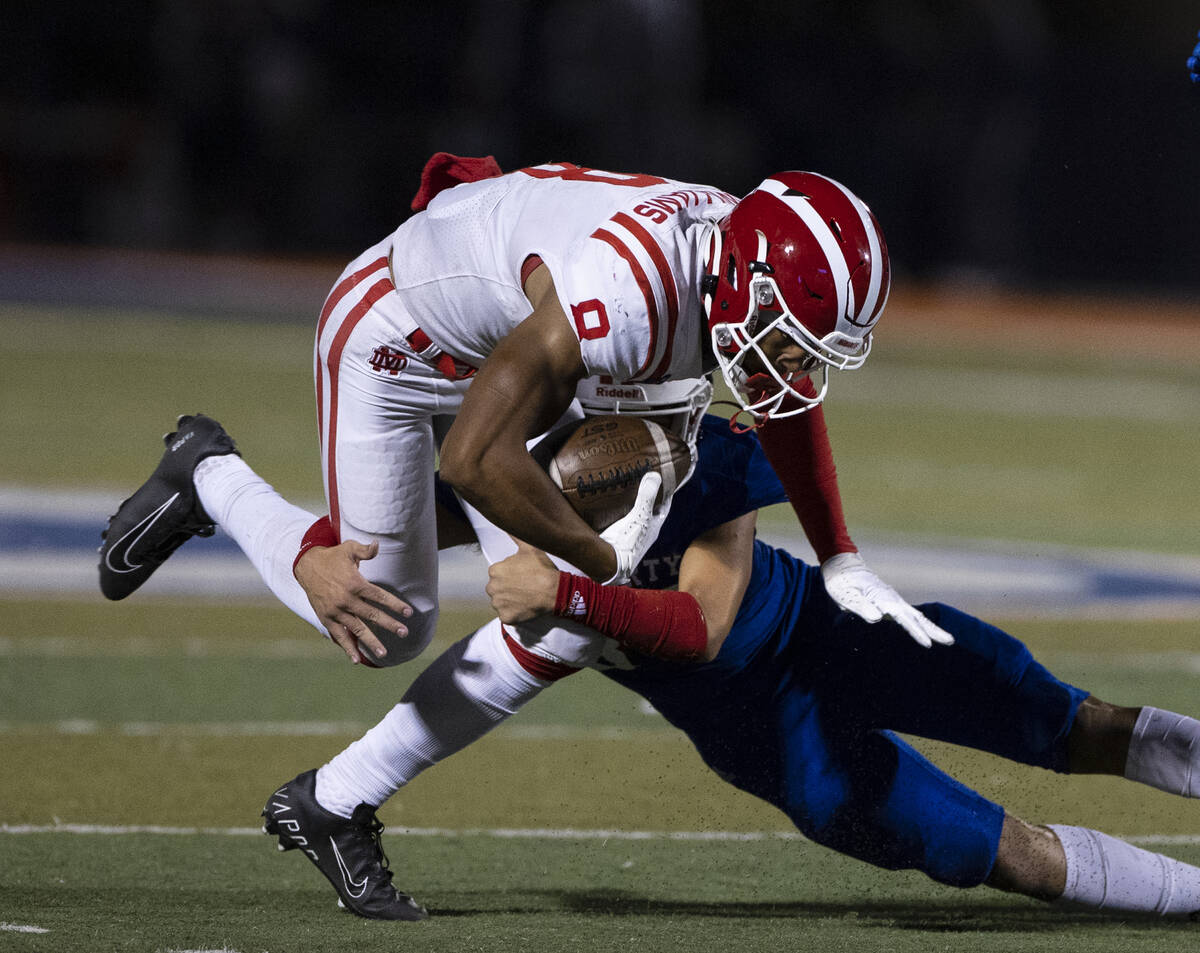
x=804 y=255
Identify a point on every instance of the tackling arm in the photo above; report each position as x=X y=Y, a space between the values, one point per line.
x=688 y=625
x=522 y=389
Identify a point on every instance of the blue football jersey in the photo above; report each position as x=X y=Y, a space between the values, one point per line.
x=732 y=478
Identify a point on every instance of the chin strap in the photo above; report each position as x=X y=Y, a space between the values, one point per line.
x=736 y=426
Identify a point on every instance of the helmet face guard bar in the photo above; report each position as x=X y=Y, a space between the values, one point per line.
x=804 y=256
x=731 y=343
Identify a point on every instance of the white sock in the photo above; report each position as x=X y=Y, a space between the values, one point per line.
x=267 y=527
x=1108 y=874
x=464 y=693
x=1165 y=752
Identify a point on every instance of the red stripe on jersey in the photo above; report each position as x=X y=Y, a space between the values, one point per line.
x=546 y=669
x=668 y=282
x=639 y=275
x=339 y=292
x=333 y=361
x=343 y=288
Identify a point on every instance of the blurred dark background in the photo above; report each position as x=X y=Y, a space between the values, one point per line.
x=1016 y=142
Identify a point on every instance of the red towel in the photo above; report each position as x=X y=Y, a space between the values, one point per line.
x=444 y=171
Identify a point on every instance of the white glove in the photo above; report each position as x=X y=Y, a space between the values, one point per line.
x=633 y=533
x=856 y=589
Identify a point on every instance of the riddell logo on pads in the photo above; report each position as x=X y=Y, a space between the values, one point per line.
x=620 y=393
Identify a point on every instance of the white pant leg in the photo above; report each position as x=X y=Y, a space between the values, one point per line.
x=377 y=404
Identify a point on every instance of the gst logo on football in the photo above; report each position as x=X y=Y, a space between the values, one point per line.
x=388 y=359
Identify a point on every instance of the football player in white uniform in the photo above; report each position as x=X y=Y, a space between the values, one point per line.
x=468 y=328
x=466 y=332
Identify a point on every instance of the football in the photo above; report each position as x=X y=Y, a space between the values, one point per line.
x=601 y=464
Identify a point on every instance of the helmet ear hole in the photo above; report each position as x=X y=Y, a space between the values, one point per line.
x=731 y=272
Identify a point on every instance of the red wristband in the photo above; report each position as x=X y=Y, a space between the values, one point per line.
x=656 y=622
x=319 y=534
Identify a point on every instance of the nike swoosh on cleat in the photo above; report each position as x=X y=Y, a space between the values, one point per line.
x=346 y=878
x=120 y=549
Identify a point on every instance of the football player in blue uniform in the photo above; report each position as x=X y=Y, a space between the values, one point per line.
x=790 y=698
x=796 y=701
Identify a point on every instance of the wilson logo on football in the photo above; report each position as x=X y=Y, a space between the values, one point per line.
x=387 y=359
x=610 y=447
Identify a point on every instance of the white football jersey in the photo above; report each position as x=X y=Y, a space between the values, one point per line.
x=623 y=250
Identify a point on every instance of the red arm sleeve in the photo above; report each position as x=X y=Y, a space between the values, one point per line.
x=657 y=622
x=799 y=452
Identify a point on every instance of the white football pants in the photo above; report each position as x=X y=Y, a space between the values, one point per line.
x=383 y=414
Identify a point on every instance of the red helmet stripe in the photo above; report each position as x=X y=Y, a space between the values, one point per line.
x=830 y=248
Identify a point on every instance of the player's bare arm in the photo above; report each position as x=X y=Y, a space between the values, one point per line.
x=522 y=389
x=523 y=586
x=713 y=576
x=715 y=571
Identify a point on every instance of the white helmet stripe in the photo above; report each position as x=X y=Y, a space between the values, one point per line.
x=824 y=236
x=872 y=304
x=760 y=253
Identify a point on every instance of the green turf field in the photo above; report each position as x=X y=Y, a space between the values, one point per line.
x=139 y=740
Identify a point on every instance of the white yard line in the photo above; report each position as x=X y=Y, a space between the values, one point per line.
x=224 y=949
x=21 y=928
x=316 y=729
x=502 y=833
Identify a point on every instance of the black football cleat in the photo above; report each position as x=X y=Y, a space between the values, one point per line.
x=349 y=852
x=164 y=512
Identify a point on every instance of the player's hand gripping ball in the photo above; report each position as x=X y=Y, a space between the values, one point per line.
x=601 y=465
